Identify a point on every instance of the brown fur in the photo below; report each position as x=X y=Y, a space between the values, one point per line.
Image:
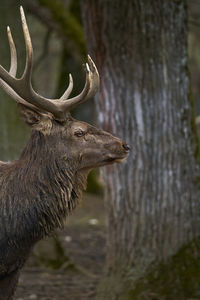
x=40 y=189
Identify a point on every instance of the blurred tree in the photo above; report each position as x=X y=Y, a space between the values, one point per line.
x=140 y=48
x=11 y=129
x=13 y=133
x=64 y=19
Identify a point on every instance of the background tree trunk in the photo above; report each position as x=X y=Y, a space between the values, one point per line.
x=152 y=200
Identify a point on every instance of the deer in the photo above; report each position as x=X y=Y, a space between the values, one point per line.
x=43 y=186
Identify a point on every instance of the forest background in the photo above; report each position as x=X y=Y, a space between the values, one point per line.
x=125 y=251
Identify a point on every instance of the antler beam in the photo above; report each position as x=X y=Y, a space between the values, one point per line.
x=21 y=89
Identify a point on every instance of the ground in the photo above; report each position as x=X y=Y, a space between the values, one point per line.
x=69 y=265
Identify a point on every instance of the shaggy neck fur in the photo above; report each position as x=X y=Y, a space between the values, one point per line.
x=42 y=188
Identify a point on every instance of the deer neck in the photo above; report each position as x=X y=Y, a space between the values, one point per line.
x=53 y=184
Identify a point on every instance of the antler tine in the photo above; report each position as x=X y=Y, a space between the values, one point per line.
x=92 y=80
x=29 y=49
x=21 y=89
x=13 y=71
x=94 y=84
x=95 y=78
x=68 y=90
x=13 y=54
x=75 y=101
x=13 y=64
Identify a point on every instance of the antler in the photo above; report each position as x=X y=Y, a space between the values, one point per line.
x=21 y=90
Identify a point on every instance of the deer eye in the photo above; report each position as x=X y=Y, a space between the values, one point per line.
x=79 y=133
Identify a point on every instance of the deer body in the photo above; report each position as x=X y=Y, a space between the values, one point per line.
x=37 y=193
x=39 y=190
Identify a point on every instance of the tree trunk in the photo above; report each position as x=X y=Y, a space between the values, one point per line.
x=152 y=200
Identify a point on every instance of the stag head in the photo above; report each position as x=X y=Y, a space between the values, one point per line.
x=84 y=144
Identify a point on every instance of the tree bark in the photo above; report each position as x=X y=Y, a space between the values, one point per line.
x=152 y=200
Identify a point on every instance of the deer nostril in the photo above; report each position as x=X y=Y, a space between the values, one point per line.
x=126 y=147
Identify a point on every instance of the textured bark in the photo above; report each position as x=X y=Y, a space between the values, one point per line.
x=152 y=200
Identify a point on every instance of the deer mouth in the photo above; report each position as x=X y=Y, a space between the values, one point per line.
x=106 y=161
x=118 y=156
x=117 y=159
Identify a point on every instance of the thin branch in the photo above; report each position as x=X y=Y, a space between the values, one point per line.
x=68 y=23
x=65 y=25
x=43 y=15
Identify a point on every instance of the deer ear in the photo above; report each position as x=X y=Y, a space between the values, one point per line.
x=35 y=119
x=29 y=116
